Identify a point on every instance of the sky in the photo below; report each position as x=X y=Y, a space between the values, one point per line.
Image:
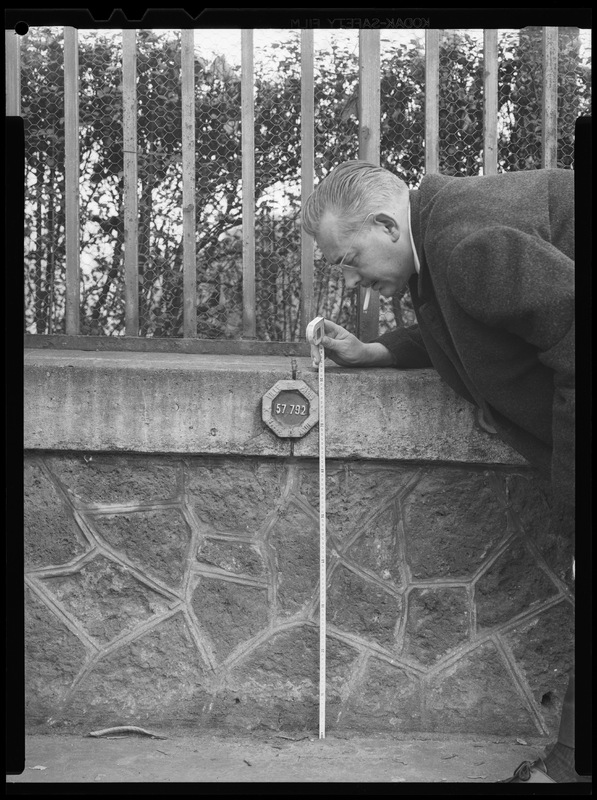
x=226 y=42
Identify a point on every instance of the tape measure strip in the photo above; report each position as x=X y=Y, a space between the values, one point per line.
x=322 y=547
x=315 y=334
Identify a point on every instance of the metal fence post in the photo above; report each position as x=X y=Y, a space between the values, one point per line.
x=248 y=183
x=549 y=156
x=131 y=216
x=432 y=101
x=307 y=172
x=490 y=101
x=12 y=63
x=71 y=178
x=187 y=44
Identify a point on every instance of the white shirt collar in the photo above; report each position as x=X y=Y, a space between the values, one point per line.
x=410 y=233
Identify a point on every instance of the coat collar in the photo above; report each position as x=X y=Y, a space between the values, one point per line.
x=421 y=282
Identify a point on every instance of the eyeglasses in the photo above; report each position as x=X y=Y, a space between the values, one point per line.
x=338 y=269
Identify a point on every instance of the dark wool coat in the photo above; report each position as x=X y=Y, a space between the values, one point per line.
x=494 y=302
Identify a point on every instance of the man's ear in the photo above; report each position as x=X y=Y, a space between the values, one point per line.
x=390 y=223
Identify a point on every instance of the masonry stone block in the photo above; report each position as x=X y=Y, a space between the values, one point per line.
x=530 y=500
x=438 y=620
x=511 y=585
x=106 y=599
x=543 y=648
x=378 y=548
x=353 y=493
x=476 y=695
x=233 y=496
x=276 y=686
x=113 y=479
x=156 y=541
x=361 y=607
x=294 y=541
x=53 y=657
x=161 y=670
x=229 y=612
x=452 y=520
x=238 y=558
x=384 y=698
x=51 y=535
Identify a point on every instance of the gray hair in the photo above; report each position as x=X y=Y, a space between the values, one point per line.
x=351 y=191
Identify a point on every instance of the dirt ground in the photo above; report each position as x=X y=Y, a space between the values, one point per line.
x=270 y=758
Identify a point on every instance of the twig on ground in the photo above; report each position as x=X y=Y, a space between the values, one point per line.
x=126 y=729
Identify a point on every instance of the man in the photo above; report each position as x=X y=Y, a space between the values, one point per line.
x=489 y=262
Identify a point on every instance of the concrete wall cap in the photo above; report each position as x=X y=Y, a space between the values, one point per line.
x=207 y=404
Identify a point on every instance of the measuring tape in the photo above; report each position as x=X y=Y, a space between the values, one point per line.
x=315 y=334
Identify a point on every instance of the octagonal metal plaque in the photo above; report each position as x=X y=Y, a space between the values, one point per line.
x=290 y=408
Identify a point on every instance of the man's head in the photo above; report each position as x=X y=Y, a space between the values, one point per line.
x=359 y=217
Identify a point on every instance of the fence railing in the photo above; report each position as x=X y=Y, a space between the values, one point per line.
x=369 y=136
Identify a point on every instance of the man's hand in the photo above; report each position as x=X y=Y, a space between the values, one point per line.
x=347 y=351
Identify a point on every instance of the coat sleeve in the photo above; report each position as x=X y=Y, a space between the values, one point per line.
x=525 y=285
x=407 y=347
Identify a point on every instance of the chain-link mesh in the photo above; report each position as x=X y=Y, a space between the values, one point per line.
x=101 y=182
x=574 y=88
x=460 y=103
x=277 y=185
x=336 y=74
x=42 y=108
x=402 y=137
x=218 y=177
x=159 y=148
x=519 y=99
x=520 y=95
x=277 y=162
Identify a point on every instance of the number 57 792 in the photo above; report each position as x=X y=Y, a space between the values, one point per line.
x=288 y=408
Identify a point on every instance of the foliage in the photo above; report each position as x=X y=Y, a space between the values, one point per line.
x=219 y=167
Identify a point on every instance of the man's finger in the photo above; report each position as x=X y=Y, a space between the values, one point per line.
x=328 y=342
x=331 y=327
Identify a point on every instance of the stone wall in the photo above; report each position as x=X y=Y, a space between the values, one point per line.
x=182 y=588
